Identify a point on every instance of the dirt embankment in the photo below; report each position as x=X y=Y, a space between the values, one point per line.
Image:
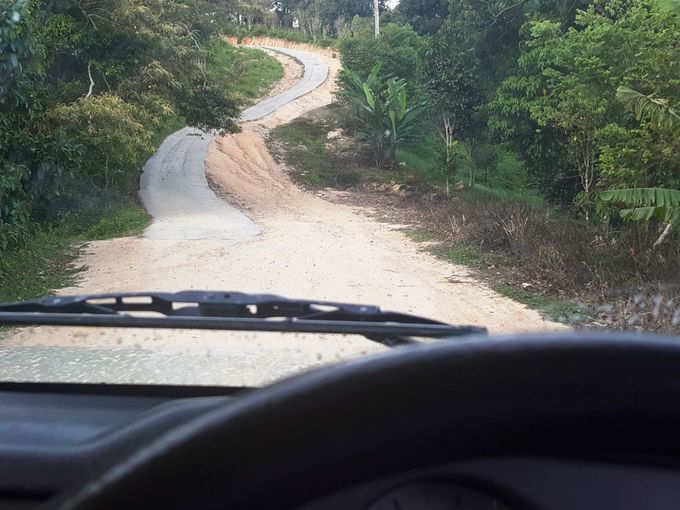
x=275 y=42
x=239 y=166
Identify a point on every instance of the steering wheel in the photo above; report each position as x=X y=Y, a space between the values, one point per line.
x=576 y=395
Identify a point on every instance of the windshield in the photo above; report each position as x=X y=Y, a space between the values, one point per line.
x=505 y=164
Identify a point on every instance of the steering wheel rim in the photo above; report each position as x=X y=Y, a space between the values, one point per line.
x=570 y=394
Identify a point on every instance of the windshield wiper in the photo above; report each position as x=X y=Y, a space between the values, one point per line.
x=228 y=311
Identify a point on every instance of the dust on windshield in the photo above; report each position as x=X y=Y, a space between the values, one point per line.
x=494 y=163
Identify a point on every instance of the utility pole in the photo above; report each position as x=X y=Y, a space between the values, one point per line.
x=376 y=15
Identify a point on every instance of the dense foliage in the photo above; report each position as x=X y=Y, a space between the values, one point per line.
x=558 y=123
x=313 y=19
x=584 y=94
x=565 y=89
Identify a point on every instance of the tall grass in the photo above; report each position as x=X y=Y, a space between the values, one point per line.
x=508 y=181
x=529 y=197
x=243 y=73
x=46 y=262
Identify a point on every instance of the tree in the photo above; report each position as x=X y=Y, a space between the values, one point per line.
x=21 y=68
x=83 y=87
x=451 y=70
x=362 y=52
x=567 y=88
x=319 y=17
x=109 y=130
x=425 y=16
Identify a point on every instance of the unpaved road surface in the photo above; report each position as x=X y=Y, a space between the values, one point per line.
x=306 y=247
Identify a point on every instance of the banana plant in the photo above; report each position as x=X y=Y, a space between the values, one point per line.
x=404 y=120
x=365 y=97
x=655 y=109
x=644 y=204
x=353 y=86
x=382 y=110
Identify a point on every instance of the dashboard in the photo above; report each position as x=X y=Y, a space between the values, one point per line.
x=53 y=436
x=504 y=484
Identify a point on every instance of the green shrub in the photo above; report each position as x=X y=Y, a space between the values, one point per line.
x=362 y=53
x=14 y=205
x=114 y=141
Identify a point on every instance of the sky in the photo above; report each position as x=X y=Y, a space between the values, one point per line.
x=392 y=3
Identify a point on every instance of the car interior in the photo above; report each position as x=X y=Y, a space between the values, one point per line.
x=536 y=421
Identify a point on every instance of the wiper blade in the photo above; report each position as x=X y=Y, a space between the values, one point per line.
x=228 y=311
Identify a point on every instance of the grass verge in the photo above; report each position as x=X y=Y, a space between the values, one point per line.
x=46 y=262
x=421 y=236
x=466 y=255
x=317 y=161
x=552 y=308
x=555 y=309
x=306 y=153
x=243 y=73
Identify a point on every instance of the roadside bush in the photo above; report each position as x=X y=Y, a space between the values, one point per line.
x=113 y=139
x=554 y=253
x=362 y=53
x=14 y=205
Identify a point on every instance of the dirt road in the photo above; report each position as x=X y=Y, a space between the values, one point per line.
x=307 y=247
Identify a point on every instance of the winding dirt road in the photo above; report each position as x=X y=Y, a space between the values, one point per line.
x=302 y=246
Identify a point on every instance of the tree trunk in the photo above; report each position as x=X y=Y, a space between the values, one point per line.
x=106 y=174
x=376 y=15
x=663 y=235
x=89 y=74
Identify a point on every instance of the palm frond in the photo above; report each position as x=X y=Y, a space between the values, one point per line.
x=640 y=197
x=650 y=107
x=646 y=203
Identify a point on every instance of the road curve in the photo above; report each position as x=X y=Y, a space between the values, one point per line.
x=173 y=186
x=175 y=191
x=316 y=73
